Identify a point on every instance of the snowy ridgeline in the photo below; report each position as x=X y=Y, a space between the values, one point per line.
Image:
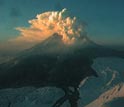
x=108 y=96
x=93 y=91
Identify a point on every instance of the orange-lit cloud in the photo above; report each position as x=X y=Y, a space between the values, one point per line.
x=49 y=23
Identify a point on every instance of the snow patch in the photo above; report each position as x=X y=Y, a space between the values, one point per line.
x=115 y=92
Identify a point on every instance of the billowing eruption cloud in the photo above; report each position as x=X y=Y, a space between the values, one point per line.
x=46 y=24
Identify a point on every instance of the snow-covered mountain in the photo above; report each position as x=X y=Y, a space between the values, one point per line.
x=110 y=71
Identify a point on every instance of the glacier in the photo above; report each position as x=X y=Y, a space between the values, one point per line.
x=92 y=90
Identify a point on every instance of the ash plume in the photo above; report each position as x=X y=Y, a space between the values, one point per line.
x=46 y=24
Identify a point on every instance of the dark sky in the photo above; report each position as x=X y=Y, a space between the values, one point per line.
x=104 y=18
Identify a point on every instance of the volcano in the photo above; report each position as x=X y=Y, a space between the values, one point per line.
x=55 y=64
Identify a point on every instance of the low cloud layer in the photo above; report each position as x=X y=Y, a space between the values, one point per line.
x=48 y=23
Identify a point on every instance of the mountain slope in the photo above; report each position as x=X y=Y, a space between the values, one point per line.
x=53 y=63
x=52 y=52
x=115 y=92
x=37 y=97
x=48 y=63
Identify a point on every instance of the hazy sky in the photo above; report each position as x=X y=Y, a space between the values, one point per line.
x=104 y=18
